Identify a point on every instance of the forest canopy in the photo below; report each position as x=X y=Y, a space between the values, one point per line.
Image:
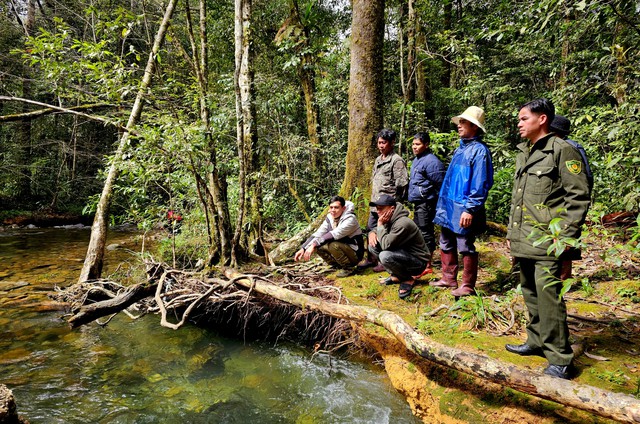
x=87 y=61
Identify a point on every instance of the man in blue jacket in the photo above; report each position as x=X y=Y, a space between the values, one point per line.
x=460 y=210
x=427 y=173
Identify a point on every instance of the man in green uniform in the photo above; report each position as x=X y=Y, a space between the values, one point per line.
x=550 y=182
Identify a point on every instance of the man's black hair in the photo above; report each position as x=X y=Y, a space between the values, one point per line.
x=541 y=107
x=423 y=137
x=337 y=199
x=387 y=134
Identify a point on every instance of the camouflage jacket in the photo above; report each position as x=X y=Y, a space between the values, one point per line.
x=390 y=177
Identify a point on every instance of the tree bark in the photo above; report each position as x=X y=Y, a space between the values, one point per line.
x=365 y=95
x=306 y=73
x=248 y=229
x=215 y=203
x=92 y=267
x=94 y=311
x=286 y=249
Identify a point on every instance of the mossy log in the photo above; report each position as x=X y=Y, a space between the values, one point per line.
x=618 y=406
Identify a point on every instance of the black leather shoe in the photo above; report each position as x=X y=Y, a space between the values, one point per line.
x=524 y=350
x=559 y=371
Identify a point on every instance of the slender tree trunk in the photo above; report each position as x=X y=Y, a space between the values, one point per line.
x=215 y=203
x=93 y=261
x=448 y=26
x=248 y=224
x=365 y=95
x=306 y=73
x=365 y=112
x=24 y=133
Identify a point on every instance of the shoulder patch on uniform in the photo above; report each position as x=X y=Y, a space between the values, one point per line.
x=574 y=166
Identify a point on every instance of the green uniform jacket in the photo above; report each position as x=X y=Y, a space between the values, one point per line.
x=550 y=182
x=402 y=233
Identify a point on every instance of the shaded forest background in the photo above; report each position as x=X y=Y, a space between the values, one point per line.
x=438 y=58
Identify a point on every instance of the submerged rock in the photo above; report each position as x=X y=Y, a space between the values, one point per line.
x=8 y=410
x=12 y=285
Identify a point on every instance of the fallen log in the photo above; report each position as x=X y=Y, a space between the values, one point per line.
x=618 y=406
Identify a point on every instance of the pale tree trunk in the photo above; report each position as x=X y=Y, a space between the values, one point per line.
x=248 y=224
x=215 y=201
x=93 y=261
x=24 y=129
x=448 y=18
x=365 y=95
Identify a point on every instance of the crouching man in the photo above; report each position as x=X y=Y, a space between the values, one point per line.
x=400 y=246
x=338 y=240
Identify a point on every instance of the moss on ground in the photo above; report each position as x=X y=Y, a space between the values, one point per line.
x=604 y=317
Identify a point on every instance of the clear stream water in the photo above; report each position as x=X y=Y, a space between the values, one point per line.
x=135 y=371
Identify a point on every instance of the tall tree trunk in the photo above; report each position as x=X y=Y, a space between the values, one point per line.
x=248 y=224
x=215 y=203
x=93 y=261
x=306 y=73
x=365 y=95
x=448 y=26
x=24 y=129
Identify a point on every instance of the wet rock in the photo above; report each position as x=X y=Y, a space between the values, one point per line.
x=50 y=306
x=12 y=285
x=8 y=410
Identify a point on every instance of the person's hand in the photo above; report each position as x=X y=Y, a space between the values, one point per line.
x=385 y=216
x=373 y=238
x=309 y=252
x=298 y=255
x=465 y=219
x=508 y=244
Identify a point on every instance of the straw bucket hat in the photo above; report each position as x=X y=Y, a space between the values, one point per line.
x=473 y=114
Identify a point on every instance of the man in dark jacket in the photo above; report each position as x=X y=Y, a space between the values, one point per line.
x=427 y=173
x=562 y=127
x=460 y=210
x=550 y=185
x=399 y=244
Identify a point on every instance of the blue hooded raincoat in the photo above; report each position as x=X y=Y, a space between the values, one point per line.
x=465 y=187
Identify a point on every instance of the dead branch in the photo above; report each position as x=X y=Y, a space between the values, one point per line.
x=49 y=109
x=97 y=310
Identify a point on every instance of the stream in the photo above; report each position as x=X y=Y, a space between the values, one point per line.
x=135 y=371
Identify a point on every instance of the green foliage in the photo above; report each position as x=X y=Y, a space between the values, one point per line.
x=494 y=54
x=374 y=290
x=499 y=201
x=189 y=246
x=586 y=287
x=616 y=377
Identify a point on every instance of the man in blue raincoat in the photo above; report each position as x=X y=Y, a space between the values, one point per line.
x=460 y=210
